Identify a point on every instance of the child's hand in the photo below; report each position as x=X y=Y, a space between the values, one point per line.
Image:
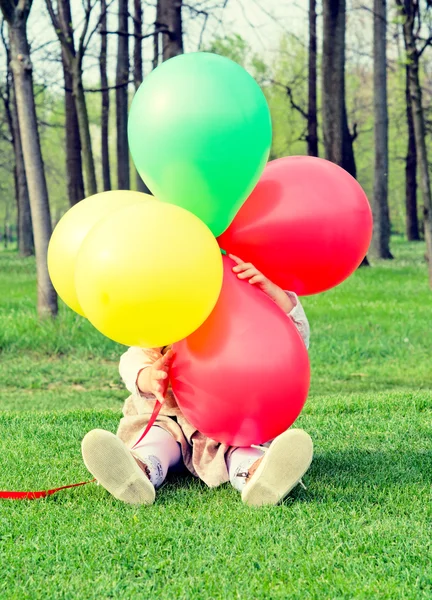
x=255 y=277
x=246 y=270
x=155 y=379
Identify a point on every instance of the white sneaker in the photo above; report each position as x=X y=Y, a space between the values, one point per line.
x=272 y=477
x=112 y=464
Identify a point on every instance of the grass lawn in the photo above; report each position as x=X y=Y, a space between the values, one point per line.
x=361 y=530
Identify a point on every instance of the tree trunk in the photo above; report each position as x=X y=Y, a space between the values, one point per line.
x=156 y=35
x=38 y=193
x=137 y=51
x=348 y=158
x=24 y=224
x=338 y=140
x=138 y=71
x=64 y=31
x=312 y=133
x=6 y=228
x=84 y=128
x=25 y=228
x=333 y=78
x=170 y=16
x=122 y=78
x=74 y=170
x=412 y=224
x=106 y=174
x=419 y=123
x=74 y=174
x=380 y=208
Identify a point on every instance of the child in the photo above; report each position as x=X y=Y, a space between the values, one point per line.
x=263 y=475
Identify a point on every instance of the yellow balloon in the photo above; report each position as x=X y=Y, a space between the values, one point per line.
x=70 y=232
x=149 y=275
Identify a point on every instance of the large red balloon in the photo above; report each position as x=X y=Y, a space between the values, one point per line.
x=243 y=377
x=307 y=225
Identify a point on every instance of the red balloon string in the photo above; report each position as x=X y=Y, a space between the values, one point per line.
x=7 y=495
x=42 y=494
x=154 y=415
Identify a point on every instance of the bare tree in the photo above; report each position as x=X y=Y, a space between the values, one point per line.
x=412 y=223
x=170 y=18
x=338 y=140
x=74 y=58
x=138 y=69
x=137 y=52
x=333 y=78
x=410 y=12
x=106 y=173
x=16 y=14
x=74 y=174
x=381 y=231
x=24 y=223
x=122 y=79
x=25 y=227
x=7 y=233
x=312 y=121
x=156 y=45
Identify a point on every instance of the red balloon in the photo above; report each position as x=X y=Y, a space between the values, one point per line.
x=307 y=225
x=243 y=377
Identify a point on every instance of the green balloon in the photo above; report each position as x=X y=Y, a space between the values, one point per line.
x=200 y=133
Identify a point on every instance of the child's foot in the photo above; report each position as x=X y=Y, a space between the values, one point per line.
x=284 y=463
x=112 y=464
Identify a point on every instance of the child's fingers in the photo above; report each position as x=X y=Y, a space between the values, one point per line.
x=243 y=267
x=158 y=392
x=160 y=375
x=259 y=278
x=168 y=356
x=248 y=274
x=158 y=363
x=159 y=397
x=165 y=367
x=164 y=360
x=236 y=259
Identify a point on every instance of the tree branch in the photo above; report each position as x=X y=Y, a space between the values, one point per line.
x=426 y=43
x=64 y=41
x=50 y=125
x=96 y=27
x=6 y=138
x=88 y=7
x=6 y=96
x=197 y=11
x=161 y=29
x=201 y=12
x=8 y=9
x=103 y=89
x=5 y=44
x=203 y=30
x=291 y=98
x=44 y=45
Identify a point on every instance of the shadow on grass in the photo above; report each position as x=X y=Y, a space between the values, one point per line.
x=354 y=475
x=360 y=475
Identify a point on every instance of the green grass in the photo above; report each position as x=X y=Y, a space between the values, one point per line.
x=361 y=530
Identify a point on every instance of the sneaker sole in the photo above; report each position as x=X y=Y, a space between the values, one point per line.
x=282 y=467
x=114 y=467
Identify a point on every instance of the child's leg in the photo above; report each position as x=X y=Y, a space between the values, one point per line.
x=158 y=451
x=270 y=476
x=239 y=462
x=110 y=461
